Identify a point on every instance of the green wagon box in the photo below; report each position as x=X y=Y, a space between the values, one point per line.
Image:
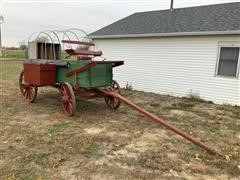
x=94 y=77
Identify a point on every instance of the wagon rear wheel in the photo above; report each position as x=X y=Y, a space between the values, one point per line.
x=112 y=102
x=68 y=99
x=28 y=91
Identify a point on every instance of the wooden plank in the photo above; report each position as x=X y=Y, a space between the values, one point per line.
x=83 y=52
x=114 y=63
x=84 y=58
x=80 y=69
x=78 y=42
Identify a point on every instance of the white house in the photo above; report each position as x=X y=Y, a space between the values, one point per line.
x=180 y=52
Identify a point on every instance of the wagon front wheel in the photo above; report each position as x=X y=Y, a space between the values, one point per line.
x=68 y=99
x=112 y=102
x=28 y=91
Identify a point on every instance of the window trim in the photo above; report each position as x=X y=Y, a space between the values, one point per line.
x=227 y=44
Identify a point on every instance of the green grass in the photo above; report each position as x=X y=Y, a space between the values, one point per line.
x=10 y=70
x=39 y=158
x=16 y=54
x=57 y=127
x=181 y=106
x=196 y=98
x=20 y=54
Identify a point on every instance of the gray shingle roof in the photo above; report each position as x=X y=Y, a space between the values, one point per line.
x=218 y=17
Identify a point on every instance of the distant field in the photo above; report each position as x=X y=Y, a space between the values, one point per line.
x=14 y=54
x=20 y=54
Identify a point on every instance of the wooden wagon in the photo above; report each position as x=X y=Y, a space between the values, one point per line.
x=85 y=78
x=77 y=79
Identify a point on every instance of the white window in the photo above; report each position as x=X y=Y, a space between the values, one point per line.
x=228 y=61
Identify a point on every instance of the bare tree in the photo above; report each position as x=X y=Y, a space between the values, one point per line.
x=22 y=45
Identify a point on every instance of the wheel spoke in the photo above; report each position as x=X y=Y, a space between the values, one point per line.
x=30 y=93
x=115 y=102
x=63 y=91
x=27 y=93
x=24 y=91
x=70 y=100
x=66 y=107
x=107 y=98
x=70 y=107
x=112 y=103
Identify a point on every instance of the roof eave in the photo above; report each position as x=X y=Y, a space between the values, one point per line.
x=167 y=34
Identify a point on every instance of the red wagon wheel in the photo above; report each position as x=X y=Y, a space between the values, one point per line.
x=68 y=99
x=28 y=91
x=112 y=102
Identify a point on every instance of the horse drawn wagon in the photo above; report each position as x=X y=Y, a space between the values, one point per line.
x=86 y=77
x=74 y=79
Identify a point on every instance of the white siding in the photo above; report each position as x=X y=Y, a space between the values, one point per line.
x=176 y=66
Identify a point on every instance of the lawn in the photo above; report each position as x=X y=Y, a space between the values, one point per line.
x=39 y=142
x=16 y=54
x=21 y=54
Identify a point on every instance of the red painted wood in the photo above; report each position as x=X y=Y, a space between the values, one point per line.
x=84 y=58
x=39 y=74
x=80 y=69
x=78 y=42
x=68 y=99
x=114 y=63
x=28 y=91
x=83 y=52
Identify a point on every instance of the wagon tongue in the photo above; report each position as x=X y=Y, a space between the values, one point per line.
x=110 y=92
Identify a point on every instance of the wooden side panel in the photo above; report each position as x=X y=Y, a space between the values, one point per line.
x=97 y=76
x=39 y=74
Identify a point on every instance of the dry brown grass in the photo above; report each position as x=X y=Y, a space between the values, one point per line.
x=39 y=142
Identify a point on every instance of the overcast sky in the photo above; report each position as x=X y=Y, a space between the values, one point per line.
x=22 y=17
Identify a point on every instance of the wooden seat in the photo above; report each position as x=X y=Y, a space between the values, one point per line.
x=114 y=63
x=78 y=42
x=84 y=58
x=83 y=52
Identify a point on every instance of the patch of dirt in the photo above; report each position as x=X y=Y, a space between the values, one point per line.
x=94 y=130
x=181 y=113
x=212 y=113
x=183 y=175
x=148 y=141
x=71 y=168
x=144 y=143
x=197 y=166
x=238 y=136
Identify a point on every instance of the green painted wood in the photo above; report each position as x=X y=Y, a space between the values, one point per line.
x=95 y=77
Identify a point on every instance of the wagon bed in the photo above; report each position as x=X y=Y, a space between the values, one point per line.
x=51 y=72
